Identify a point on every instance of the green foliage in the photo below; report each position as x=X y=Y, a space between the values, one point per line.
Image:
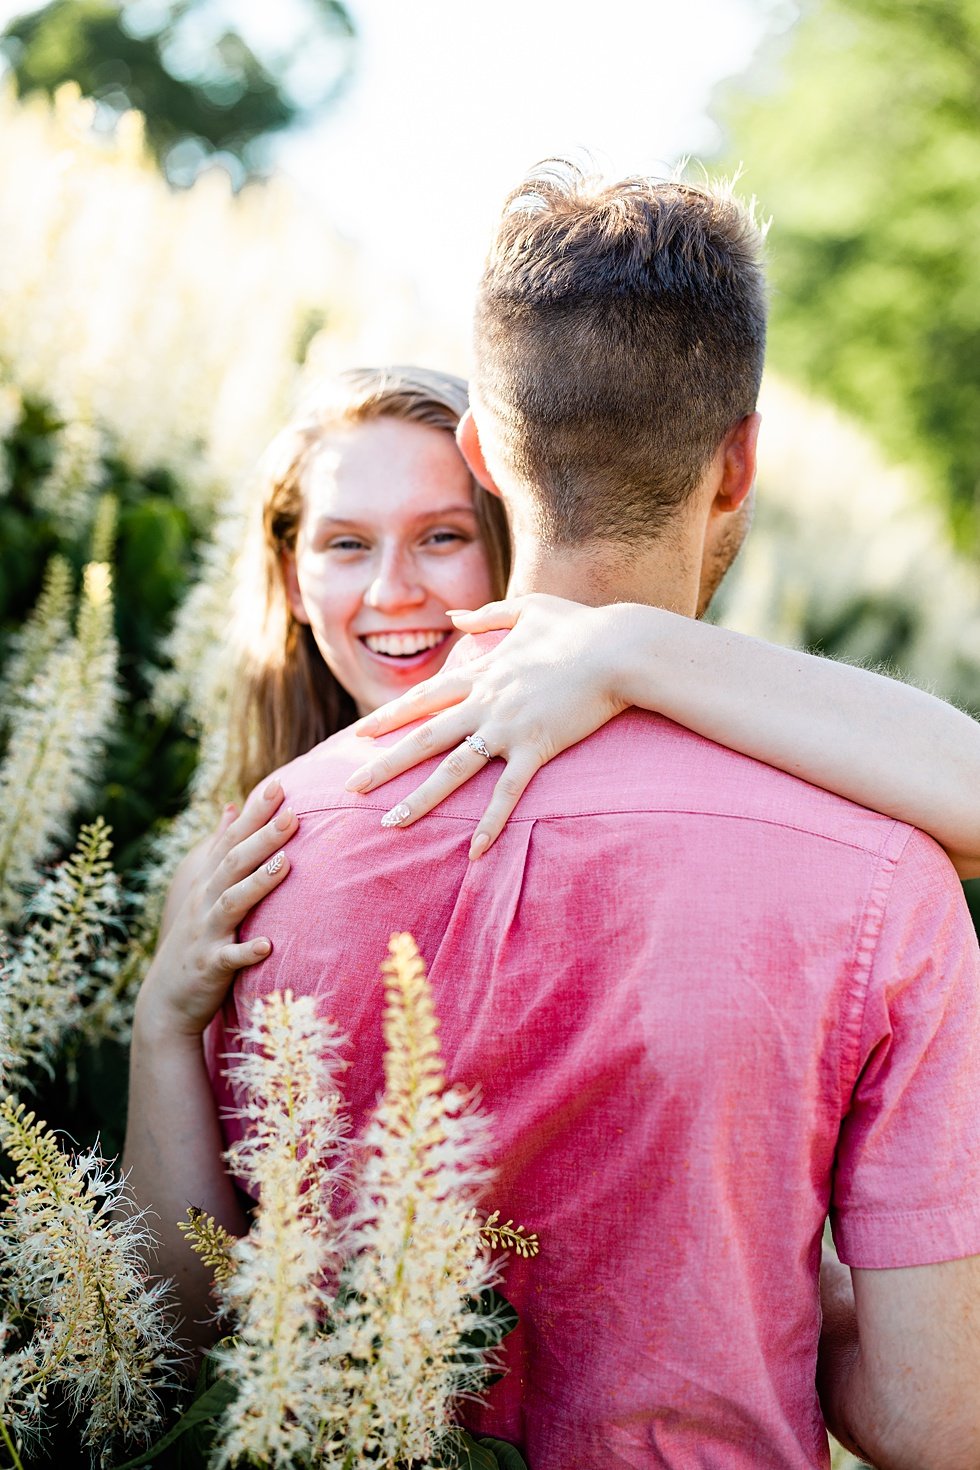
x=497 y=1320
x=187 y=1444
x=485 y=1453
x=859 y=134
x=142 y=778
x=150 y=759
x=505 y=1455
x=200 y=85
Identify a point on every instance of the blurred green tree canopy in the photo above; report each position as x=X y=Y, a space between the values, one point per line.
x=860 y=132
x=203 y=88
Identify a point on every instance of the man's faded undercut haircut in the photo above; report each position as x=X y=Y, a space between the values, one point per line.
x=620 y=333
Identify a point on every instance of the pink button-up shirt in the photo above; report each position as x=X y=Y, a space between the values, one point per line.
x=706 y=1004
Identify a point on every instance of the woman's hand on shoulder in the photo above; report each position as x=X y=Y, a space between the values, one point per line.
x=547 y=685
x=214 y=889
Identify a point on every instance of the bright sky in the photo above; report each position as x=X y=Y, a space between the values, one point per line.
x=453 y=100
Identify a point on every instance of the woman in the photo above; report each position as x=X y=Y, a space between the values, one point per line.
x=372 y=532
x=371 y=528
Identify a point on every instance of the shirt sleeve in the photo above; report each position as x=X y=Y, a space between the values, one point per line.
x=906 y=1188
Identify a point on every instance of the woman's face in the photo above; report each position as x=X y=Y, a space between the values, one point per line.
x=387 y=541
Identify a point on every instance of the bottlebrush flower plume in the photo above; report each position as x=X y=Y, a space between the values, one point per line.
x=56 y=737
x=66 y=493
x=293 y=1157
x=419 y=1265
x=54 y=969
x=46 y=627
x=72 y=1267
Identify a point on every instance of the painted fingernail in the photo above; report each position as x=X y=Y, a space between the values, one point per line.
x=274 y=864
x=284 y=818
x=397 y=815
x=358 y=782
x=271 y=789
x=479 y=845
x=262 y=946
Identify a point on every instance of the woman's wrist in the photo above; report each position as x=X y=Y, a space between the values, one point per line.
x=158 y=1026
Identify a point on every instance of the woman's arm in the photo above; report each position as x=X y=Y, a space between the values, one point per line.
x=173 y=1150
x=566 y=669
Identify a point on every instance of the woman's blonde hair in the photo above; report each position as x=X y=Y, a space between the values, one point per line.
x=285 y=699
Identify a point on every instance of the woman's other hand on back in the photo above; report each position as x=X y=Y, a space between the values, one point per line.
x=217 y=886
x=551 y=682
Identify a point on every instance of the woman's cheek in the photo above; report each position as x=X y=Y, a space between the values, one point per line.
x=471 y=580
x=328 y=592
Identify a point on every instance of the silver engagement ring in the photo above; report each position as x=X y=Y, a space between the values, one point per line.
x=477 y=743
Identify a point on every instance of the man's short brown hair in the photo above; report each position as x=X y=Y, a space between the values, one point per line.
x=620 y=332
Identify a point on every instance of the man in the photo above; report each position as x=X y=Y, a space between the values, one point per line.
x=705 y=1003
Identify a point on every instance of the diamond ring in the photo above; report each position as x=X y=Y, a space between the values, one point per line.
x=477 y=743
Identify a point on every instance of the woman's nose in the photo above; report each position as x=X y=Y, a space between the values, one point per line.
x=394 y=585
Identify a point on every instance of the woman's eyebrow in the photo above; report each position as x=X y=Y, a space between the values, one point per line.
x=327 y=522
x=446 y=510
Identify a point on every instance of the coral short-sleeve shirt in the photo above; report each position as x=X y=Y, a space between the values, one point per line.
x=706 y=1006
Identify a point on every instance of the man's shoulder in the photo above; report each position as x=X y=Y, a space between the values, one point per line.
x=639 y=765
x=643 y=763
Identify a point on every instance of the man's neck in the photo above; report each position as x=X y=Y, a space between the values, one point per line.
x=663 y=572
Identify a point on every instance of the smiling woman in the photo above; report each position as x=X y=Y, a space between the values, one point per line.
x=388 y=539
x=371 y=527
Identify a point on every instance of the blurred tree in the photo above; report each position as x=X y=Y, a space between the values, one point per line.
x=202 y=87
x=859 y=130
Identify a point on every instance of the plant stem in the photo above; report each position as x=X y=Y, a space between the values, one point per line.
x=15 y=1459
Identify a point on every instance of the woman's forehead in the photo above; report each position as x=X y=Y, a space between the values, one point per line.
x=385 y=467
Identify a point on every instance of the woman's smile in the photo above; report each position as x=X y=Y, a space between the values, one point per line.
x=405 y=646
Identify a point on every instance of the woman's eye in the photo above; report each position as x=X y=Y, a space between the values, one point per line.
x=444 y=538
x=346 y=543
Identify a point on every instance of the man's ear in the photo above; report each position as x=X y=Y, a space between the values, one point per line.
x=290 y=581
x=738 y=463
x=468 y=440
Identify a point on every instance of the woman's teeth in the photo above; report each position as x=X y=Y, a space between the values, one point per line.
x=403 y=645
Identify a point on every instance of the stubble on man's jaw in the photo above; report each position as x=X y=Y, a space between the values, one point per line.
x=725 y=548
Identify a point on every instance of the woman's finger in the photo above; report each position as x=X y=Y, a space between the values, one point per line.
x=459 y=766
x=489 y=619
x=238 y=900
x=234 y=957
x=246 y=856
x=438 y=693
x=260 y=806
x=516 y=777
x=430 y=739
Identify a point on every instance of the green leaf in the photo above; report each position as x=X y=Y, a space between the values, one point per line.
x=203 y=1412
x=498 y=1320
x=462 y=1452
x=508 y=1456
x=484 y=1453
